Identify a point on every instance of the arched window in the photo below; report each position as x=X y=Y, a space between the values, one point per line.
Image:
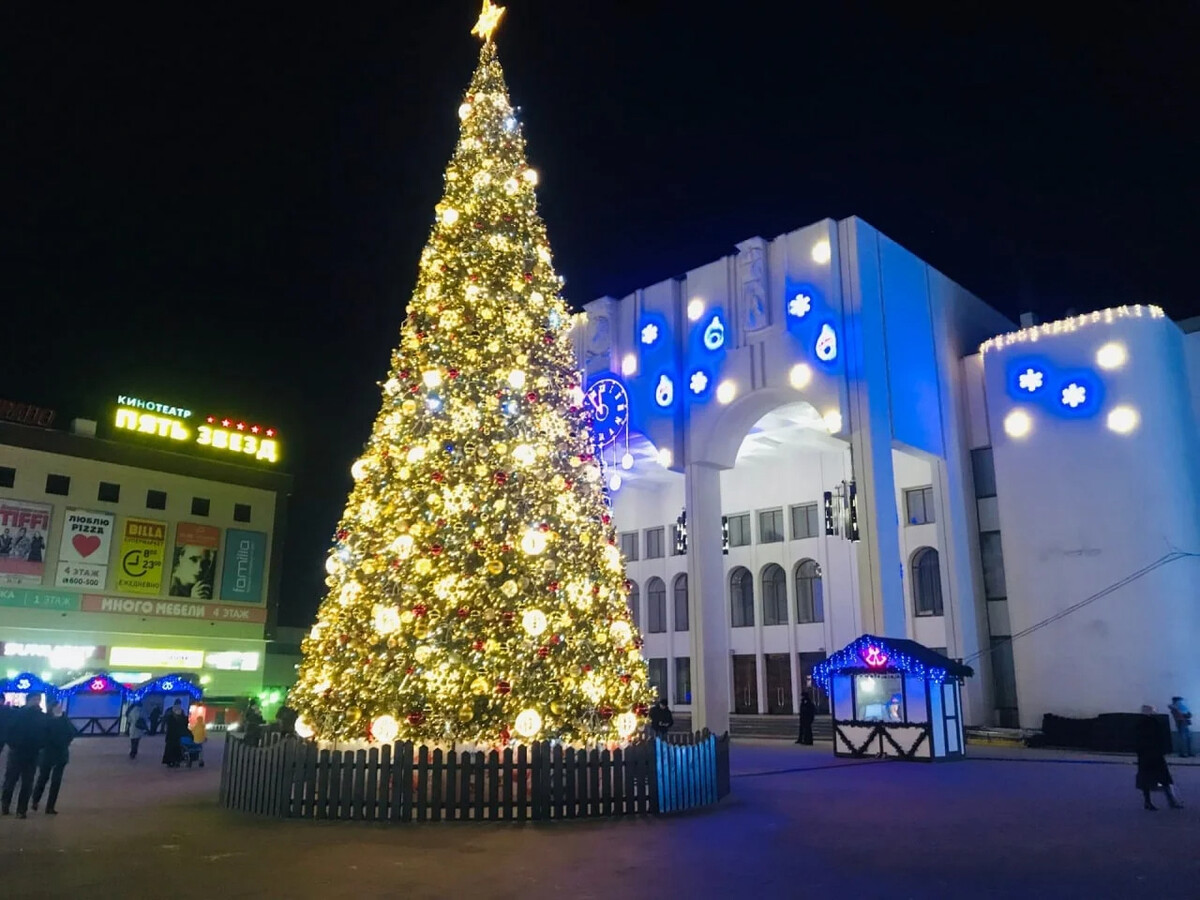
x=656 y=606
x=681 y=602
x=926 y=582
x=635 y=602
x=774 y=593
x=741 y=597
x=810 y=594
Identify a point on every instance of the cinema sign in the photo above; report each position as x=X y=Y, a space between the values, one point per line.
x=221 y=436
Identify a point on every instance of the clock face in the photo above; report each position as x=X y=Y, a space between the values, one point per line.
x=610 y=406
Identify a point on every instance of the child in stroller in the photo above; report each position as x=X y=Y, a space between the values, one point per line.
x=193 y=743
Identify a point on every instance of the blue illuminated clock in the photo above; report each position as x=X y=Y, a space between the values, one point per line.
x=610 y=404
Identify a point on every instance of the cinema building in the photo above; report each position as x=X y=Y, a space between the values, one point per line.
x=143 y=543
x=820 y=436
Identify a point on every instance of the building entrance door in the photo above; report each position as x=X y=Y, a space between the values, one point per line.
x=779 y=684
x=745 y=685
x=819 y=697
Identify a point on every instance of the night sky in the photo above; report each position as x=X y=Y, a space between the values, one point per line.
x=223 y=207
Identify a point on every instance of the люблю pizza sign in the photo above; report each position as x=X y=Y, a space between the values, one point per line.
x=174 y=424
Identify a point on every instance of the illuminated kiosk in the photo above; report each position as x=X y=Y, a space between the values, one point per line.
x=164 y=691
x=894 y=697
x=94 y=704
x=14 y=690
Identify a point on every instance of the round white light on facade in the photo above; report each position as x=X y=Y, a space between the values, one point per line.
x=664 y=457
x=800 y=376
x=821 y=252
x=726 y=391
x=833 y=421
x=628 y=364
x=534 y=622
x=695 y=309
x=1111 y=356
x=1018 y=423
x=627 y=461
x=614 y=482
x=528 y=724
x=303 y=729
x=384 y=729
x=1123 y=419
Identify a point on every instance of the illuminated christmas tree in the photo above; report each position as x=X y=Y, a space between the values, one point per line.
x=476 y=594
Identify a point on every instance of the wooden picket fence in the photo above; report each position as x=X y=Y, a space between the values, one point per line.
x=290 y=778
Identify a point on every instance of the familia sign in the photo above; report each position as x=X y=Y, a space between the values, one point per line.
x=175 y=424
x=83 y=550
x=24 y=531
x=242 y=575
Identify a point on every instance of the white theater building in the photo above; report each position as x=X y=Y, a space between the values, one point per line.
x=862 y=446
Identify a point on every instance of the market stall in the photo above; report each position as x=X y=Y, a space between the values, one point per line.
x=94 y=704
x=163 y=692
x=894 y=697
x=13 y=691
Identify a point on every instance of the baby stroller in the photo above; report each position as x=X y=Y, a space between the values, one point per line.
x=192 y=752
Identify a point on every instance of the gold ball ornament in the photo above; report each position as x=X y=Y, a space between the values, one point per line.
x=495 y=566
x=481 y=686
x=466 y=713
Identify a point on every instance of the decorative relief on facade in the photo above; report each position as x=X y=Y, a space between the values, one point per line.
x=752 y=284
x=599 y=337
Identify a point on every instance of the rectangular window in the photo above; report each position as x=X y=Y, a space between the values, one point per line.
x=58 y=484
x=156 y=499
x=806 y=522
x=8 y=476
x=109 y=492
x=992 y=556
x=739 y=530
x=654 y=543
x=658 y=676
x=770 y=526
x=681 y=603
x=918 y=505
x=984 y=471
x=241 y=512
x=200 y=506
x=629 y=546
x=683 y=679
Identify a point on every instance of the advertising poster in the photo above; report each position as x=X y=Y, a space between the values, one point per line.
x=242 y=575
x=140 y=564
x=24 y=532
x=83 y=550
x=194 y=568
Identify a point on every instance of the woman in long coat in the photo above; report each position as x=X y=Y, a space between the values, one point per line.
x=1152 y=771
x=175 y=726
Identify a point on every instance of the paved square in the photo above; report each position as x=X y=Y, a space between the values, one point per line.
x=799 y=824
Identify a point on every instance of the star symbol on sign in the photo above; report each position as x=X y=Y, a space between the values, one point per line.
x=698 y=383
x=225 y=423
x=1073 y=395
x=650 y=334
x=489 y=18
x=1030 y=380
x=800 y=305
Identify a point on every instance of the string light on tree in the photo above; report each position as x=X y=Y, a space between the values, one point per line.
x=476 y=594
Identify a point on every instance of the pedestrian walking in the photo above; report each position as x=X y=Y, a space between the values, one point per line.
x=1182 y=717
x=808 y=712
x=138 y=728
x=254 y=724
x=6 y=715
x=1152 y=771
x=155 y=717
x=55 y=756
x=26 y=735
x=175 y=725
x=661 y=719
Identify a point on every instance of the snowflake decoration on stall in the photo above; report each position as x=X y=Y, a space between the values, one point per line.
x=650 y=334
x=800 y=305
x=1030 y=380
x=698 y=382
x=1073 y=395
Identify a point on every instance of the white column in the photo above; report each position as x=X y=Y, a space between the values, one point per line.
x=712 y=686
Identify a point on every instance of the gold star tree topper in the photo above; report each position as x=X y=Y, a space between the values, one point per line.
x=489 y=19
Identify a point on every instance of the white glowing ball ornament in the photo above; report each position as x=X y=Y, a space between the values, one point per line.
x=534 y=542
x=528 y=724
x=385 y=729
x=303 y=729
x=534 y=622
x=359 y=470
x=626 y=724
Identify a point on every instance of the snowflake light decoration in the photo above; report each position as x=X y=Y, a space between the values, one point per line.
x=698 y=382
x=1073 y=395
x=650 y=334
x=1030 y=380
x=800 y=305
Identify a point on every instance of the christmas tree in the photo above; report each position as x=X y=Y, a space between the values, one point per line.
x=476 y=594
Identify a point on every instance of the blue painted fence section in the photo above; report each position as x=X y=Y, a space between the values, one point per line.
x=687 y=774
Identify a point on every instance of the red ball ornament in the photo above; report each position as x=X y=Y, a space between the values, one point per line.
x=587 y=668
x=343 y=639
x=568 y=484
x=625 y=679
x=413 y=388
x=595 y=590
x=452 y=373
x=441 y=523
x=532 y=396
x=606 y=518
x=342 y=534
x=503 y=687
x=473 y=277
x=436 y=549
x=548 y=337
x=528 y=277
x=395 y=564
x=478 y=545
x=409 y=670
x=506 y=548
x=543 y=652
x=641 y=709
x=556 y=638
x=437 y=476
x=420 y=335
x=477 y=646
x=416 y=717
x=403 y=374
x=605 y=712
x=419 y=610
x=508 y=615
x=464 y=611
x=553 y=586
x=501 y=477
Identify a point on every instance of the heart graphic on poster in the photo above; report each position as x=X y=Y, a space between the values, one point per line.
x=85 y=544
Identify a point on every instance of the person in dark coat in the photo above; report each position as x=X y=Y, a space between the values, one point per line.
x=55 y=756
x=155 y=716
x=808 y=712
x=26 y=735
x=6 y=715
x=1152 y=771
x=661 y=719
x=175 y=726
x=254 y=724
